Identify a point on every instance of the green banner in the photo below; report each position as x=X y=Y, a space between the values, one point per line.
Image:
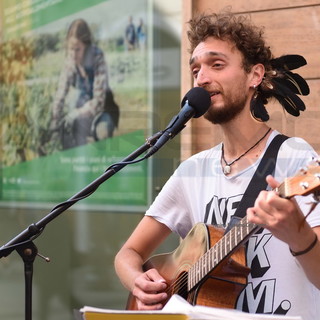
x=74 y=98
x=19 y=16
x=61 y=175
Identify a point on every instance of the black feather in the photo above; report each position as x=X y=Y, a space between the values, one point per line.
x=288 y=62
x=289 y=100
x=294 y=82
x=258 y=109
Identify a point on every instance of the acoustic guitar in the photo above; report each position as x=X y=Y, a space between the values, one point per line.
x=209 y=267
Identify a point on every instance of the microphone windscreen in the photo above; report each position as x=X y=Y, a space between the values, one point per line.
x=199 y=99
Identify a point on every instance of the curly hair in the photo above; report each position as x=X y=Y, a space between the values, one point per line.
x=237 y=29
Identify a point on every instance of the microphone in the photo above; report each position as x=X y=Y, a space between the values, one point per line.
x=194 y=104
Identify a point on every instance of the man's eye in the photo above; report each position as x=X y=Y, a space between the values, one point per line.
x=217 y=65
x=195 y=72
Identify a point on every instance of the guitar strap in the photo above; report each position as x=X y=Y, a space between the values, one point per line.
x=258 y=181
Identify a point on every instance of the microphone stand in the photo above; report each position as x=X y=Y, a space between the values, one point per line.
x=23 y=242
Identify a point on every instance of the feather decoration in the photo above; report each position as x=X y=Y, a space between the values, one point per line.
x=294 y=82
x=258 y=110
x=288 y=99
x=283 y=85
x=288 y=62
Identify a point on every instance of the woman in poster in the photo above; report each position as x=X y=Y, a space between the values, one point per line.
x=84 y=109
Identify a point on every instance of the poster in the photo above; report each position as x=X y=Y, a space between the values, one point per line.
x=73 y=105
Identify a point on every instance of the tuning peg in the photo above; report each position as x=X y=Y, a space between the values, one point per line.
x=304 y=185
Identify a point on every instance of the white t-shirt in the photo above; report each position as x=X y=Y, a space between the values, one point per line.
x=198 y=191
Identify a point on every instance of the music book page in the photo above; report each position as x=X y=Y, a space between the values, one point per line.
x=178 y=308
x=92 y=313
x=178 y=304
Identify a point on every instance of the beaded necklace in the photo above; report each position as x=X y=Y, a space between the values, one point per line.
x=227 y=167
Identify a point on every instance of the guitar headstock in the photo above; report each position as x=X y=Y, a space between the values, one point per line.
x=305 y=182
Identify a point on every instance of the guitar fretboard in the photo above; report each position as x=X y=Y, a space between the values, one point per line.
x=223 y=248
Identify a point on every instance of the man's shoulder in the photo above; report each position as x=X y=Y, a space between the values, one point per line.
x=292 y=142
x=207 y=152
x=297 y=144
x=200 y=159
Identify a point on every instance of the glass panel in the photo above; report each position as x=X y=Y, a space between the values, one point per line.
x=42 y=166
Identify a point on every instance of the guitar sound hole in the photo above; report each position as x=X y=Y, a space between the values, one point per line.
x=180 y=286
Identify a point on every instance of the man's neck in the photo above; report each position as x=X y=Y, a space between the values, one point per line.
x=239 y=135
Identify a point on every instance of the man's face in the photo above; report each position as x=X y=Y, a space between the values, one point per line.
x=217 y=66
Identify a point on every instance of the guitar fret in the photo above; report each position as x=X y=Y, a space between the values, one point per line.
x=233 y=237
x=207 y=263
x=230 y=242
x=210 y=260
x=236 y=234
x=201 y=267
x=207 y=269
x=214 y=257
x=238 y=231
x=191 y=276
x=197 y=273
x=227 y=242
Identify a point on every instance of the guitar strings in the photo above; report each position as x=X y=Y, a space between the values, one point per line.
x=180 y=284
x=215 y=255
x=182 y=281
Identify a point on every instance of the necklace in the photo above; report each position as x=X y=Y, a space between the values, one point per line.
x=227 y=167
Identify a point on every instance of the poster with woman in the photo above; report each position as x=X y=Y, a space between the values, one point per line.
x=75 y=99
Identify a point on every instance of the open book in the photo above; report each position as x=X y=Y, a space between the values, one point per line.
x=178 y=309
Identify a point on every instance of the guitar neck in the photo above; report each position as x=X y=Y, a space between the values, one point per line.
x=238 y=235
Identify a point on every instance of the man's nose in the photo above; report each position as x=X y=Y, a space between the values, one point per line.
x=202 y=78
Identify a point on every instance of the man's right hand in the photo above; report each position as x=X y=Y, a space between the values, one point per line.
x=149 y=290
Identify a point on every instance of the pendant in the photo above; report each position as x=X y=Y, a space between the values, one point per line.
x=226 y=169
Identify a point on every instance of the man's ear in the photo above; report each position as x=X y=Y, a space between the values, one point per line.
x=257 y=74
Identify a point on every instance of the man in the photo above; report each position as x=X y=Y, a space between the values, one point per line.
x=130 y=35
x=230 y=60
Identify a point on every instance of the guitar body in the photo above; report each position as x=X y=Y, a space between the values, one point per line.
x=220 y=288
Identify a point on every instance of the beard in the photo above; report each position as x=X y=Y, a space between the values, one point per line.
x=232 y=108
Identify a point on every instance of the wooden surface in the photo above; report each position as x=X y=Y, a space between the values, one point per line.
x=252 y=5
